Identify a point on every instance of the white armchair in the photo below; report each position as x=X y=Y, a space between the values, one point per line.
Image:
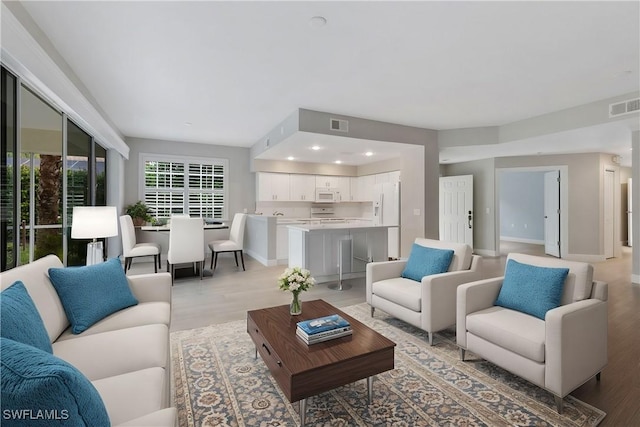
x=429 y=304
x=559 y=353
x=186 y=243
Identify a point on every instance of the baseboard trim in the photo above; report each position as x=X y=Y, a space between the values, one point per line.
x=519 y=240
x=486 y=252
x=262 y=260
x=584 y=257
x=635 y=278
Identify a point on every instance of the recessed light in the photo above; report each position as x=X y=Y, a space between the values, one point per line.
x=315 y=148
x=290 y=158
x=318 y=21
x=368 y=154
x=337 y=162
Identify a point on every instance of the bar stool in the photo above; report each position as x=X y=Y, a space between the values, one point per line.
x=345 y=245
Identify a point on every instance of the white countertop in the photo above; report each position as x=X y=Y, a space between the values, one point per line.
x=338 y=226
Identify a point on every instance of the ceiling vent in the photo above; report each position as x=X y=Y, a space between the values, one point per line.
x=625 y=107
x=339 y=125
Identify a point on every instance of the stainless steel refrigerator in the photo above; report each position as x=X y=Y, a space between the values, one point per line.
x=386 y=211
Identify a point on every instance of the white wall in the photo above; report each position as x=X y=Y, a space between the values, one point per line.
x=521 y=201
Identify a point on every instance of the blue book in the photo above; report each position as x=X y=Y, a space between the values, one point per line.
x=322 y=324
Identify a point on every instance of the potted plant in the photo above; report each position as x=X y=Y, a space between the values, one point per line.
x=139 y=213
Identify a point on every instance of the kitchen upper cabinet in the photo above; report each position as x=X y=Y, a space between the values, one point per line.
x=341 y=184
x=364 y=188
x=327 y=181
x=273 y=186
x=382 y=178
x=302 y=188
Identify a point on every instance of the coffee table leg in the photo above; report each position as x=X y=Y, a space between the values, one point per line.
x=369 y=389
x=302 y=407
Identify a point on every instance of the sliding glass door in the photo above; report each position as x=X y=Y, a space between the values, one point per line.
x=9 y=251
x=48 y=165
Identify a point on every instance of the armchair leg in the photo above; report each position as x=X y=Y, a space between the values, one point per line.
x=373 y=309
x=159 y=260
x=242 y=259
x=126 y=260
x=461 y=351
x=173 y=271
x=201 y=265
x=430 y=338
x=155 y=263
x=559 y=404
x=235 y=255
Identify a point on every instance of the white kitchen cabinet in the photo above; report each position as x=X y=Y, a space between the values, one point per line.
x=272 y=186
x=302 y=188
x=365 y=188
x=343 y=187
x=339 y=184
x=327 y=181
x=382 y=178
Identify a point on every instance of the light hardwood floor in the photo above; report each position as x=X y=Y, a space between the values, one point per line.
x=230 y=292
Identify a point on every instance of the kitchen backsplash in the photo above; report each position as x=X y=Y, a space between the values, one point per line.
x=303 y=209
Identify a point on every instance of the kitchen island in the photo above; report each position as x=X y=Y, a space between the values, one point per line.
x=330 y=249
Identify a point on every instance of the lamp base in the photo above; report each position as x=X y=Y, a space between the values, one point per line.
x=94 y=253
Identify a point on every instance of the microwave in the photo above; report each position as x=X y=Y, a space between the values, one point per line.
x=326 y=195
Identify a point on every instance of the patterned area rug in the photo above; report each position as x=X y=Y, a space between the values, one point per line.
x=218 y=382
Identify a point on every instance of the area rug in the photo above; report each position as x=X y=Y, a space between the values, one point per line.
x=219 y=382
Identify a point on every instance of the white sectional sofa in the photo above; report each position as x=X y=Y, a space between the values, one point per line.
x=126 y=356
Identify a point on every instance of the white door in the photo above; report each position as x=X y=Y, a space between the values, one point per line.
x=456 y=209
x=609 y=233
x=552 y=213
x=629 y=220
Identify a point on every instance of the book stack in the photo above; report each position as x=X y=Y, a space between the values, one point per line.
x=323 y=329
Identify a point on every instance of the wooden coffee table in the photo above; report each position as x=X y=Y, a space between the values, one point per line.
x=303 y=370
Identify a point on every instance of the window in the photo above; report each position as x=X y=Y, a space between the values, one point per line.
x=183 y=185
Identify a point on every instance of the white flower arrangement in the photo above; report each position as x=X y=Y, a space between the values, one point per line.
x=296 y=279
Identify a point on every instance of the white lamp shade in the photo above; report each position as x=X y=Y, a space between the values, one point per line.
x=94 y=222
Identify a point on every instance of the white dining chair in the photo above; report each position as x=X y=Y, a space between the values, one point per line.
x=234 y=244
x=186 y=243
x=131 y=249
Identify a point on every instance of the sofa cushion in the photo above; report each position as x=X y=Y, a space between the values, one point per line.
x=38 y=384
x=510 y=329
x=116 y=352
x=579 y=282
x=44 y=296
x=20 y=320
x=404 y=292
x=462 y=253
x=424 y=261
x=91 y=293
x=531 y=289
x=133 y=395
x=149 y=313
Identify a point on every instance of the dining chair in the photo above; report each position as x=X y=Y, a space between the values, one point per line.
x=131 y=249
x=186 y=243
x=234 y=244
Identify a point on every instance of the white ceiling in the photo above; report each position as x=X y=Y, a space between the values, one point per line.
x=234 y=70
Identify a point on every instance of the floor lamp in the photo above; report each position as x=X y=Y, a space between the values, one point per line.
x=94 y=222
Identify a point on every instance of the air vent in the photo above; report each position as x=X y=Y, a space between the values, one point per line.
x=625 y=107
x=339 y=125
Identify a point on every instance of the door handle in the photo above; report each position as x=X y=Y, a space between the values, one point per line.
x=469 y=219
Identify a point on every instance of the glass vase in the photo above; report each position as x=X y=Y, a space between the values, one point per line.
x=295 y=307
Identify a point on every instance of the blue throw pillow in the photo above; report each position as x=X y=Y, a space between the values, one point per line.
x=531 y=289
x=424 y=261
x=89 y=294
x=41 y=389
x=20 y=320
